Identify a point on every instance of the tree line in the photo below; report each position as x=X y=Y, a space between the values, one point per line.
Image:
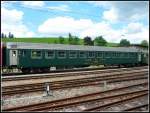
x=74 y=40
x=10 y=35
x=98 y=41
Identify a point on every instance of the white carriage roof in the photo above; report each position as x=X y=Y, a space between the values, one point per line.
x=21 y=45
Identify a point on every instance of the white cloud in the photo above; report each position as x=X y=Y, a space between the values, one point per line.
x=134 y=32
x=111 y=15
x=60 y=8
x=33 y=3
x=82 y=27
x=11 y=16
x=64 y=25
x=134 y=28
x=124 y=10
x=11 y=21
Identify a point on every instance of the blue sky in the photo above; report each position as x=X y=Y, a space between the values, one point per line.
x=47 y=18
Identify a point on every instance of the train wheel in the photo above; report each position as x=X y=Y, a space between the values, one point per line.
x=36 y=70
x=26 y=70
x=45 y=70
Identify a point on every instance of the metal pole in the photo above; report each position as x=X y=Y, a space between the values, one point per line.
x=48 y=93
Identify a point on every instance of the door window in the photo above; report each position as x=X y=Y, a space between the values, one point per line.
x=13 y=53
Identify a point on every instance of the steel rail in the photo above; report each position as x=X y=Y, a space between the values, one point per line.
x=82 y=96
x=100 y=76
x=66 y=74
x=71 y=103
x=66 y=103
x=73 y=83
x=121 y=101
x=137 y=107
x=72 y=70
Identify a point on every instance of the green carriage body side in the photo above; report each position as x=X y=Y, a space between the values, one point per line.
x=28 y=62
x=145 y=58
x=107 y=58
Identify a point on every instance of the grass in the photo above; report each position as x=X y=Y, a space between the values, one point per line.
x=38 y=40
x=49 y=40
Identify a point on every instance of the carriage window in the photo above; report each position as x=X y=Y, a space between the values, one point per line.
x=91 y=54
x=131 y=54
x=49 y=54
x=121 y=54
x=99 y=54
x=113 y=54
x=82 y=54
x=61 y=54
x=36 y=54
x=117 y=55
x=73 y=54
x=106 y=54
x=23 y=53
x=126 y=55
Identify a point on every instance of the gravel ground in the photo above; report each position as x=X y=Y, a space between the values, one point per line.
x=121 y=107
x=131 y=104
x=31 y=81
x=36 y=97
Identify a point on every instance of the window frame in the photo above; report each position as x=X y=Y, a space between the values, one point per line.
x=84 y=53
x=114 y=54
x=74 y=56
x=23 y=53
x=126 y=54
x=107 y=54
x=49 y=57
x=99 y=56
x=36 y=57
x=60 y=56
x=92 y=55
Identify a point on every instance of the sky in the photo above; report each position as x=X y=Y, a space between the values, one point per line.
x=114 y=20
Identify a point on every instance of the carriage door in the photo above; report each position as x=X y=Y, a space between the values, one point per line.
x=13 y=57
x=139 y=57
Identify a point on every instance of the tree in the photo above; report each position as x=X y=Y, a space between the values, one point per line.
x=76 y=40
x=12 y=36
x=124 y=42
x=61 y=40
x=70 y=39
x=2 y=35
x=88 y=41
x=5 y=36
x=55 y=42
x=144 y=43
x=100 y=41
x=70 y=35
x=9 y=35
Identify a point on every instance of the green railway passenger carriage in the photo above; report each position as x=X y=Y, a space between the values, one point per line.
x=40 y=57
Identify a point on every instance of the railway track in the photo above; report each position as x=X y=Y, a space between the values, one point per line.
x=128 y=97
x=55 y=85
x=118 y=95
x=52 y=75
x=59 y=71
x=70 y=70
x=136 y=108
